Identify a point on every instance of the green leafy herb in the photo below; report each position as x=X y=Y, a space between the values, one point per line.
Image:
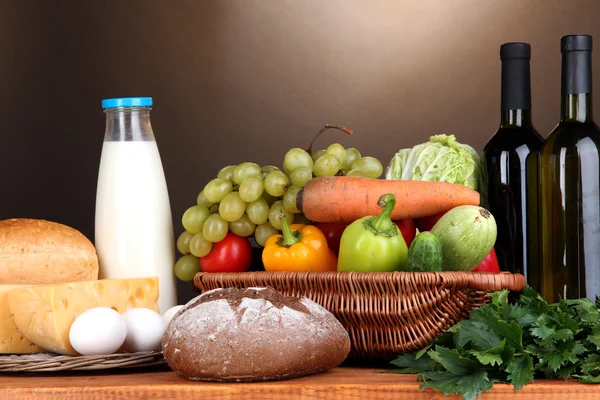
x=594 y=338
x=511 y=343
x=520 y=371
x=469 y=385
x=490 y=356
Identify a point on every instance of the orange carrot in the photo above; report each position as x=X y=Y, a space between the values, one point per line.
x=348 y=198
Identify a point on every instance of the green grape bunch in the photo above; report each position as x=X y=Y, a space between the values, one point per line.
x=249 y=200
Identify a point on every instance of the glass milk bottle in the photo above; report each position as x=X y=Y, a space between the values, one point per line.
x=134 y=229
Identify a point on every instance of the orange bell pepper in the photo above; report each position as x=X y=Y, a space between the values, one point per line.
x=300 y=248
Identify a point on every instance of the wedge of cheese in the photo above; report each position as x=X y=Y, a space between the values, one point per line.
x=44 y=313
x=11 y=340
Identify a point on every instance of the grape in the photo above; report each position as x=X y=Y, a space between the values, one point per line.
x=202 y=201
x=269 y=199
x=369 y=166
x=183 y=242
x=327 y=165
x=187 y=267
x=243 y=226
x=338 y=151
x=296 y=158
x=200 y=246
x=275 y=213
x=265 y=169
x=354 y=172
x=264 y=232
x=214 y=209
x=215 y=228
x=232 y=207
x=258 y=211
x=251 y=188
x=300 y=176
x=352 y=155
x=216 y=189
x=226 y=173
x=276 y=183
x=269 y=168
x=289 y=200
x=316 y=155
x=245 y=170
x=193 y=218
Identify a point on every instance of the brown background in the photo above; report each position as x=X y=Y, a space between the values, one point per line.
x=246 y=80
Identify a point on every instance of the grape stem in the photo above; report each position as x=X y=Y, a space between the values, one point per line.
x=327 y=127
x=289 y=237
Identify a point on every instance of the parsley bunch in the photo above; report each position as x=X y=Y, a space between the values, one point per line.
x=511 y=343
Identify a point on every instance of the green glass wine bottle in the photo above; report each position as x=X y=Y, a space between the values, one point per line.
x=570 y=184
x=510 y=163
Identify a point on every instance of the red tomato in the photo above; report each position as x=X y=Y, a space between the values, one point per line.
x=333 y=234
x=426 y=223
x=489 y=264
x=408 y=229
x=232 y=254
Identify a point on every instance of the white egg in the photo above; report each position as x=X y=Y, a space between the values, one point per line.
x=170 y=313
x=145 y=329
x=98 y=331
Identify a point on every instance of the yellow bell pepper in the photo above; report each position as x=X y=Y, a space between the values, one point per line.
x=300 y=248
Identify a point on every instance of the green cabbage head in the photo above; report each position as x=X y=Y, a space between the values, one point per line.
x=442 y=159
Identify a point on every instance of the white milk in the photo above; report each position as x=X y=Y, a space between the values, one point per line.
x=134 y=231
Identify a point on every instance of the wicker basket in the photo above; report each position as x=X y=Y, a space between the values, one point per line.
x=49 y=362
x=385 y=313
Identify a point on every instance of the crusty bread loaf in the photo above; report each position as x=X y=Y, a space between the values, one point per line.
x=253 y=334
x=34 y=251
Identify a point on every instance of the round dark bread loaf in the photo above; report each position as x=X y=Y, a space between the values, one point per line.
x=253 y=334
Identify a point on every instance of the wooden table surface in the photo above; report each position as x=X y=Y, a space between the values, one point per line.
x=339 y=383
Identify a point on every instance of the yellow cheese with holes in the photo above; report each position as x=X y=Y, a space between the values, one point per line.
x=11 y=340
x=44 y=313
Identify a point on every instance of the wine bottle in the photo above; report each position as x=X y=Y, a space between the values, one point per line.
x=510 y=164
x=570 y=184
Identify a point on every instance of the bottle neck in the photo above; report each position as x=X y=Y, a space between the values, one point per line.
x=576 y=108
x=515 y=119
x=516 y=93
x=576 y=88
x=128 y=124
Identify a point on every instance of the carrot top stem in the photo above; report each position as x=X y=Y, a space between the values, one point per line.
x=382 y=224
x=326 y=127
x=289 y=237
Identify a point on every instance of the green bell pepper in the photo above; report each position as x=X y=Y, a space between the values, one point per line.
x=373 y=243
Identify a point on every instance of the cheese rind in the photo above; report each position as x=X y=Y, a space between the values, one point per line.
x=44 y=313
x=11 y=340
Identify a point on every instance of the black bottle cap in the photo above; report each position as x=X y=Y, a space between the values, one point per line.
x=515 y=51
x=576 y=43
x=516 y=84
x=576 y=64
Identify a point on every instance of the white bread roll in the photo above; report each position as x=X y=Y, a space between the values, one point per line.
x=34 y=251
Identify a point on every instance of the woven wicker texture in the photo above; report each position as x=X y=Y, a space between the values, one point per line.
x=54 y=362
x=384 y=313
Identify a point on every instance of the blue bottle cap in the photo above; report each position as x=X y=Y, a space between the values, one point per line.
x=127 y=102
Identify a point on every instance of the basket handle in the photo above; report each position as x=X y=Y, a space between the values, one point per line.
x=496 y=281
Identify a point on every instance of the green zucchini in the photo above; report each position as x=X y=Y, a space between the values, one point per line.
x=467 y=234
